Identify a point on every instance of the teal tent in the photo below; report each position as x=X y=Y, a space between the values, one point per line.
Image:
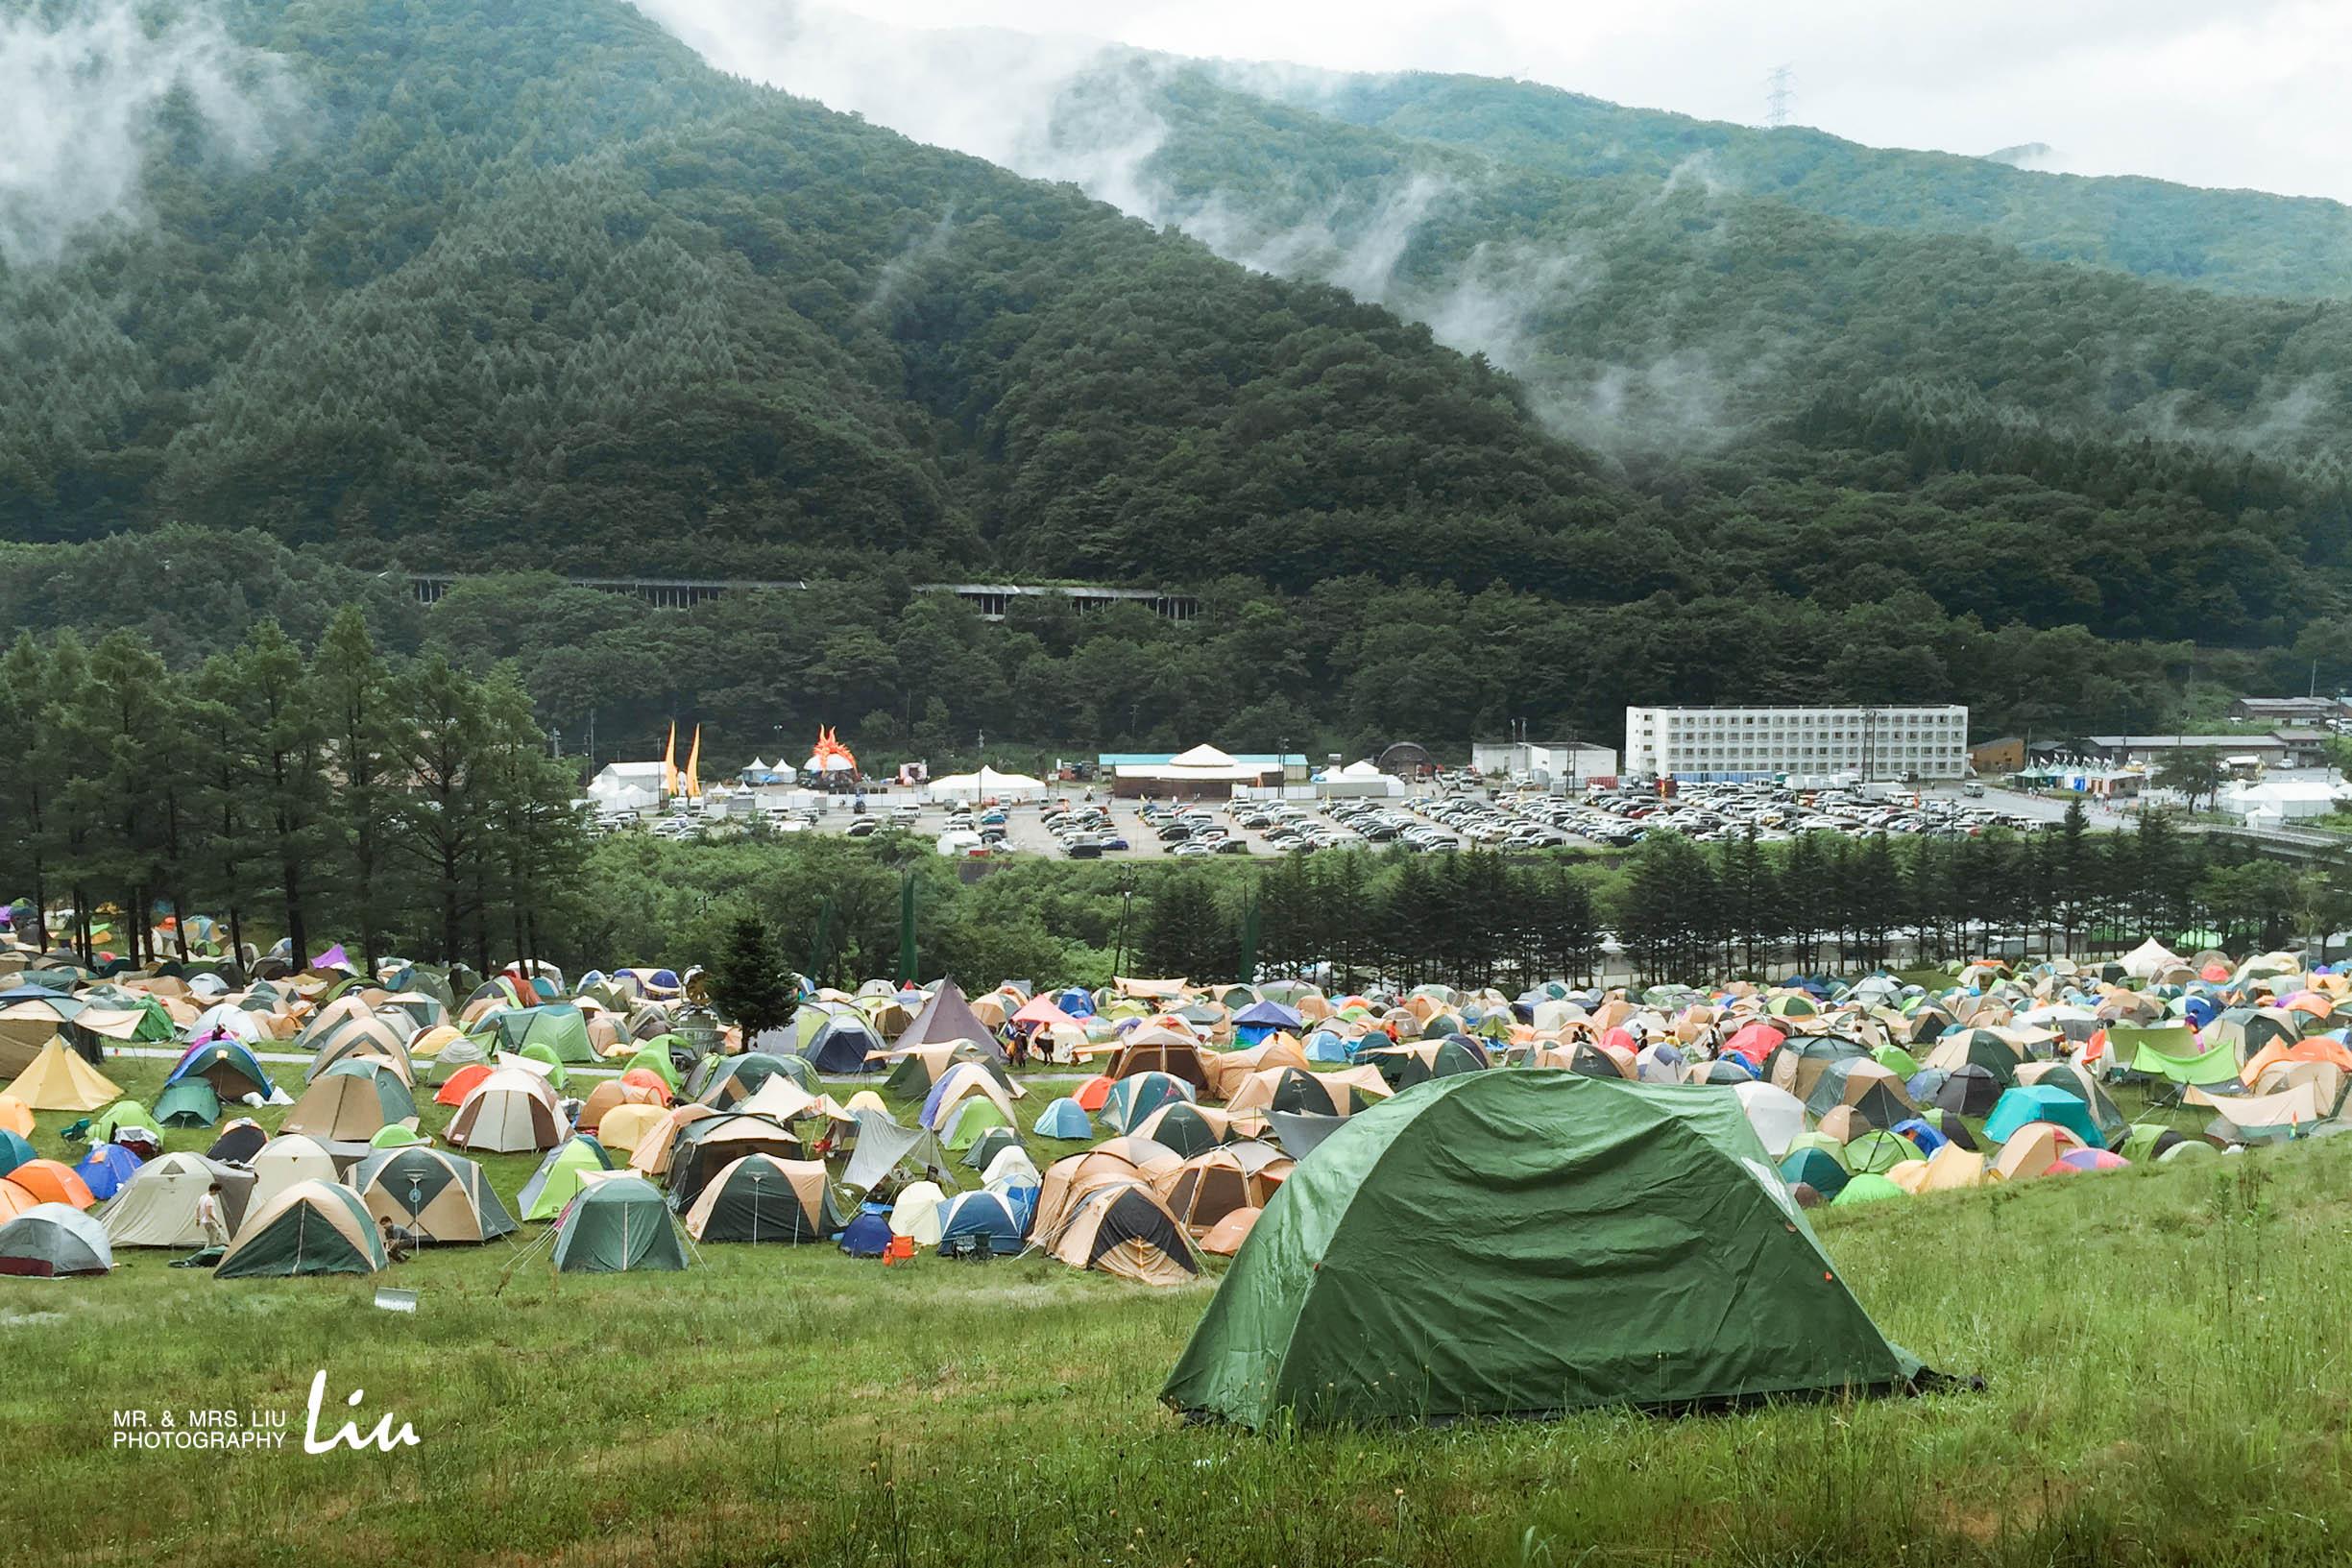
x=2042 y=1102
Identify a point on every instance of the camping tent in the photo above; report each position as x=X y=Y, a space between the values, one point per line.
x=509 y=1111
x=763 y=1198
x=287 y=1161
x=156 y=1207
x=559 y=1175
x=1530 y=1196
x=50 y=1240
x=352 y=1101
x=1123 y=1229
x=432 y=1194
x=615 y=1226
x=58 y=1080
x=313 y=1227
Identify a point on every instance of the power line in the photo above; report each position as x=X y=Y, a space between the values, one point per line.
x=1777 y=95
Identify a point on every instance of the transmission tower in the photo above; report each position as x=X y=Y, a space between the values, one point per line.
x=1778 y=96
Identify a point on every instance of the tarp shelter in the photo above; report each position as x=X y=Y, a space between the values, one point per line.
x=156 y=1207
x=313 y=1227
x=433 y=1195
x=1648 y=1215
x=2173 y=1052
x=617 y=1225
x=763 y=1198
x=53 y=1240
x=56 y=1079
x=884 y=1145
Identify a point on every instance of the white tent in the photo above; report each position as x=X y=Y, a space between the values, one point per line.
x=506 y=1112
x=1776 y=1115
x=2150 y=959
x=985 y=785
x=285 y=1161
x=156 y=1207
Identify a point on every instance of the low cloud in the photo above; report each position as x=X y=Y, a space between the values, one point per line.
x=80 y=90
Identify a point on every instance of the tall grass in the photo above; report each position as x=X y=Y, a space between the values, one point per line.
x=2163 y=1355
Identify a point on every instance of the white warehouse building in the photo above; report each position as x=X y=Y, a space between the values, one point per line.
x=1882 y=742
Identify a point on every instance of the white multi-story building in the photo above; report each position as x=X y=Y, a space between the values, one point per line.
x=1882 y=743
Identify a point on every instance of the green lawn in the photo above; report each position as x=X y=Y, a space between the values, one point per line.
x=2163 y=1353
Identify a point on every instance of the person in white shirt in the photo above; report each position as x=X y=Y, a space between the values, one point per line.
x=209 y=1217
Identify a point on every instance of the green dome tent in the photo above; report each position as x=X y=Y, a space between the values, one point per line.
x=617 y=1225
x=1396 y=1274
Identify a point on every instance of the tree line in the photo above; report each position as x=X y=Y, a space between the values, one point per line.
x=407 y=806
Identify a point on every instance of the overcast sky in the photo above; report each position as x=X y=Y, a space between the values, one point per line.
x=2211 y=92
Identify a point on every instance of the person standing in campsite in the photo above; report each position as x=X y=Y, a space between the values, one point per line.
x=209 y=1217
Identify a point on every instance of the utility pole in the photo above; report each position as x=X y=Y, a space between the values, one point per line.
x=1778 y=96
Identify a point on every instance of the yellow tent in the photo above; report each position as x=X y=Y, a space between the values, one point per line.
x=58 y=1080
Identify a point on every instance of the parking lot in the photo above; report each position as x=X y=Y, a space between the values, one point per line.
x=1453 y=813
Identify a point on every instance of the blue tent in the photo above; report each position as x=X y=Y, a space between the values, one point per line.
x=1065 y=1117
x=1254 y=1022
x=869 y=1234
x=994 y=1218
x=1077 y=1002
x=1919 y=1132
x=13 y=1151
x=1324 y=1046
x=106 y=1167
x=2039 y=1102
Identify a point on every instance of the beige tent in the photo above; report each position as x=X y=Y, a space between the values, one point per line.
x=1123 y=1229
x=612 y=1094
x=343 y=1108
x=1116 y=1158
x=625 y=1128
x=156 y=1207
x=2296 y=1106
x=1227 y=1068
x=916 y=1212
x=506 y=1112
x=1947 y=1168
x=286 y=1160
x=652 y=1156
x=2032 y=1150
x=1210 y=1186
x=1225 y=1238
x=57 y=1080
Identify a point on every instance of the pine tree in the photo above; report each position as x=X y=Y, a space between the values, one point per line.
x=748 y=982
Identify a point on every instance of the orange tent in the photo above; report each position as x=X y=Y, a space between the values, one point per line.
x=1092 y=1094
x=2319 y=1048
x=14 y=1200
x=50 y=1182
x=460 y=1083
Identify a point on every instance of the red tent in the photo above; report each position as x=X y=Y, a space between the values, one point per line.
x=460 y=1083
x=1092 y=1094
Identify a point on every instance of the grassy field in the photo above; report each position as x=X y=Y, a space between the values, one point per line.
x=2162 y=1351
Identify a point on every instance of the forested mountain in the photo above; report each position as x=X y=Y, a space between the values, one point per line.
x=2229 y=241
x=494 y=286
